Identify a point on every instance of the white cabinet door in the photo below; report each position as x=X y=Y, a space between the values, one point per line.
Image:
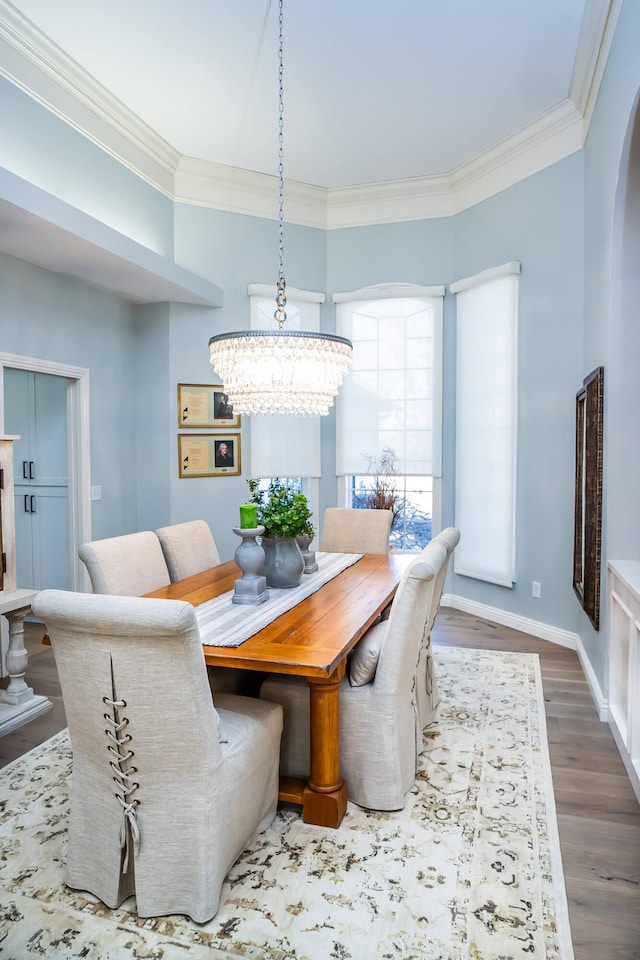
x=36 y=409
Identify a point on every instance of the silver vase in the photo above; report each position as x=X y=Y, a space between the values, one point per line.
x=309 y=556
x=283 y=563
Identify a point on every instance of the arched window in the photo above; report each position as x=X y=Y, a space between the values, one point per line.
x=390 y=406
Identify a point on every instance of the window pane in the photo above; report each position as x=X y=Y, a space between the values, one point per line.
x=412 y=527
x=397 y=346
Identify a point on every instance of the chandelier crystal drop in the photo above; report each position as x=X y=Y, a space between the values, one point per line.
x=288 y=372
x=277 y=372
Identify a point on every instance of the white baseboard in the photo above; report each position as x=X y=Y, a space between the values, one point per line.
x=563 y=638
x=601 y=702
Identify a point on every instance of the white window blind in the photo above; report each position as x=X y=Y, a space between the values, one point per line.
x=285 y=446
x=486 y=412
x=392 y=396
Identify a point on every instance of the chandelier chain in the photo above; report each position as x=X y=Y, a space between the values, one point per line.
x=280 y=314
x=280 y=372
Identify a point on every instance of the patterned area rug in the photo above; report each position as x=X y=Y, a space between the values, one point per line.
x=469 y=870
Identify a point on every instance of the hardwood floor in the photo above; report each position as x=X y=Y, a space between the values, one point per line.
x=598 y=814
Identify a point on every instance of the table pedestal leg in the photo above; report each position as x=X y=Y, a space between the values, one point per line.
x=18 y=703
x=324 y=798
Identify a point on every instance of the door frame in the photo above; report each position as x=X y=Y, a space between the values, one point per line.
x=78 y=450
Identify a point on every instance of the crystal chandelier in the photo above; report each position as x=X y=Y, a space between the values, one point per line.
x=290 y=372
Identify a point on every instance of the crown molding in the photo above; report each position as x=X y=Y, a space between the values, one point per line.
x=206 y=184
x=550 y=138
x=598 y=27
x=39 y=67
x=547 y=140
x=45 y=72
x=419 y=198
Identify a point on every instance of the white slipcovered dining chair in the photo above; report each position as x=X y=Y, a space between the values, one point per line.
x=188 y=548
x=380 y=725
x=355 y=531
x=426 y=680
x=127 y=566
x=167 y=787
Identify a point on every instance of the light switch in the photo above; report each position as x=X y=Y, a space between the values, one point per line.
x=96 y=493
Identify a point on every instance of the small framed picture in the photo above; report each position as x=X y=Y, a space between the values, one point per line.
x=209 y=455
x=205 y=405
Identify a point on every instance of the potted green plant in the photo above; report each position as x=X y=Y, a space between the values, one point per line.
x=285 y=516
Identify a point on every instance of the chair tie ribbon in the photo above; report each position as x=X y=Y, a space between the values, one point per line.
x=129 y=831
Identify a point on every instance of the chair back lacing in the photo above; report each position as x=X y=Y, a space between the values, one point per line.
x=125 y=786
x=428 y=680
x=425 y=641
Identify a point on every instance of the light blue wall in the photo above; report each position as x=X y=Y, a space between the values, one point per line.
x=611 y=327
x=539 y=223
x=154 y=410
x=56 y=318
x=233 y=251
x=44 y=150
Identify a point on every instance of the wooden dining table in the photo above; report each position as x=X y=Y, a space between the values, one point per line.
x=311 y=640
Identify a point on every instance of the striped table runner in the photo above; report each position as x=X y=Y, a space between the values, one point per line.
x=226 y=624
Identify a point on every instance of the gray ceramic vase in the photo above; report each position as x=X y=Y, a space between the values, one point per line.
x=309 y=556
x=283 y=563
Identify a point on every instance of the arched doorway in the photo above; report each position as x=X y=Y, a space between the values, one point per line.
x=622 y=460
x=622 y=467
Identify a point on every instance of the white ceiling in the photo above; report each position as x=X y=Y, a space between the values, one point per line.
x=373 y=92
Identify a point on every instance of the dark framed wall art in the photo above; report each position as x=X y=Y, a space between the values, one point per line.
x=588 y=494
x=209 y=455
x=203 y=405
